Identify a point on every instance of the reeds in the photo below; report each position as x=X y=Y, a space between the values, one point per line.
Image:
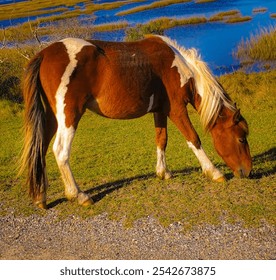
x=260 y=46
x=158 y=26
x=232 y=16
x=154 y=5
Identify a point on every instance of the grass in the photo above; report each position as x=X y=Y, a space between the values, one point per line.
x=157 y=26
x=114 y=162
x=231 y=16
x=62 y=10
x=259 y=47
x=259 y=10
x=204 y=1
x=238 y=19
x=154 y=5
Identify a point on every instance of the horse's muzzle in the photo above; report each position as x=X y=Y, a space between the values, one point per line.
x=242 y=172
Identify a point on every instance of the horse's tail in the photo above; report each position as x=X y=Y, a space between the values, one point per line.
x=33 y=155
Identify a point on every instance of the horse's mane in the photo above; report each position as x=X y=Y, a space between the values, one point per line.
x=211 y=93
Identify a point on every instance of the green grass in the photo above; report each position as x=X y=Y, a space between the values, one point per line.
x=157 y=26
x=114 y=162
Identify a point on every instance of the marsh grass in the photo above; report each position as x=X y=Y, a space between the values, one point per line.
x=231 y=16
x=238 y=19
x=158 y=26
x=60 y=9
x=204 y=1
x=114 y=162
x=34 y=8
x=259 y=10
x=154 y=5
x=259 y=47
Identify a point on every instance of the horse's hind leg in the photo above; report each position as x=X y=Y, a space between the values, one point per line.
x=160 y=121
x=62 y=149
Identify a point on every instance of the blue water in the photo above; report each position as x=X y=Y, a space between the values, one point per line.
x=214 y=41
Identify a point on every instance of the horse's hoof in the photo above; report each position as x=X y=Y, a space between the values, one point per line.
x=41 y=204
x=168 y=175
x=87 y=203
x=164 y=175
x=84 y=199
x=220 y=179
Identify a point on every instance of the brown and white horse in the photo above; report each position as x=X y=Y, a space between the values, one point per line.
x=121 y=80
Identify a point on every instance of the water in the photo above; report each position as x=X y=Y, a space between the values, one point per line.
x=215 y=41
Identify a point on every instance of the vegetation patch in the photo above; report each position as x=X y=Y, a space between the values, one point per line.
x=238 y=19
x=204 y=1
x=232 y=16
x=158 y=26
x=58 y=9
x=154 y=5
x=259 y=47
x=259 y=10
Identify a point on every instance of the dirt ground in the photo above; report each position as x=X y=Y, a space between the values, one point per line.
x=50 y=237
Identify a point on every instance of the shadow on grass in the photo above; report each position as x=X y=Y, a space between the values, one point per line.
x=105 y=189
x=268 y=157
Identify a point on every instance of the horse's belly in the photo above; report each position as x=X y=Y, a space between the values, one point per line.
x=118 y=107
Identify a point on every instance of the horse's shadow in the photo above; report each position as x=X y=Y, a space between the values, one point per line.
x=105 y=189
x=269 y=157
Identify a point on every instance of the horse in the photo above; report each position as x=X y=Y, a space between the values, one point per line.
x=125 y=80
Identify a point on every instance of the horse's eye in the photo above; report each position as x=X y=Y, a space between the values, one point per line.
x=242 y=140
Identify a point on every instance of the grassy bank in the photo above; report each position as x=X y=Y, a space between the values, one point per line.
x=114 y=162
x=259 y=47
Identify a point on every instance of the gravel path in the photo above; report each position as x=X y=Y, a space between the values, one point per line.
x=50 y=237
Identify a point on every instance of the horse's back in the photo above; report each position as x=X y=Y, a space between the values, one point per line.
x=114 y=79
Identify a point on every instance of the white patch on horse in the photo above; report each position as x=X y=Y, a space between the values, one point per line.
x=73 y=47
x=65 y=135
x=150 y=102
x=207 y=166
x=179 y=62
x=182 y=68
x=161 y=165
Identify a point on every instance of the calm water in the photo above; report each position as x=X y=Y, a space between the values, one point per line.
x=215 y=41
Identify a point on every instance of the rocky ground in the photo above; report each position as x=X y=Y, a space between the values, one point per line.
x=52 y=237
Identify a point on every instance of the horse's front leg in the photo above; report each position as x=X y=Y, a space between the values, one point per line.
x=183 y=123
x=62 y=148
x=160 y=121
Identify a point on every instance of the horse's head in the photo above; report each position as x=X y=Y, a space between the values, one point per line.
x=229 y=134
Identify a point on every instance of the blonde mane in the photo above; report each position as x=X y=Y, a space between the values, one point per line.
x=211 y=93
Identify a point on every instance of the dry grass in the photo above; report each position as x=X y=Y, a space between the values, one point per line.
x=260 y=46
x=158 y=26
x=154 y=5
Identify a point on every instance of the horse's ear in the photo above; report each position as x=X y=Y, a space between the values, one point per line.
x=237 y=116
